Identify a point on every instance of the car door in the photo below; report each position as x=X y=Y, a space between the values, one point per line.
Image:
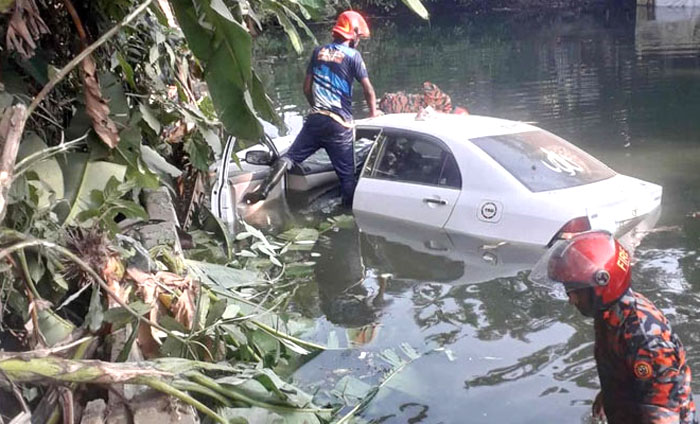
x=409 y=176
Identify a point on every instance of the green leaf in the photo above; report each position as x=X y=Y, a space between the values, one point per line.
x=157 y=163
x=234 y=37
x=150 y=117
x=315 y=5
x=120 y=316
x=220 y=276
x=55 y=267
x=198 y=154
x=95 y=314
x=417 y=7
x=207 y=108
x=127 y=70
x=86 y=177
x=263 y=104
x=251 y=415
x=216 y=311
x=48 y=171
x=231 y=312
x=224 y=48
x=172 y=347
x=212 y=140
x=342 y=221
x=286 y=392
x=351 y=389
x=114 y=93
x=54 y=328
x=287 y=25
x=300 y=235
x=299 y=269
x=128 y=208
x=300 y=22
x=129 y=149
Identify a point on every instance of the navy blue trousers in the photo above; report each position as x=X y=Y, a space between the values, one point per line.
x=323 y=131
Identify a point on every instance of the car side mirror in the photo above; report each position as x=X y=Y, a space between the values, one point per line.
x=258 y=157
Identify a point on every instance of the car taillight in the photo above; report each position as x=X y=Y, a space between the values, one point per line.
x=571 y=228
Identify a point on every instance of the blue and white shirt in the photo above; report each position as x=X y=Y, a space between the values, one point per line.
x=333 y=68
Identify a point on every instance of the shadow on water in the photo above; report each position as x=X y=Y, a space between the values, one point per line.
x=498 y=349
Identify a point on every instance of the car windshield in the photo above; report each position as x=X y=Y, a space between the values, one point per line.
x=543 y=161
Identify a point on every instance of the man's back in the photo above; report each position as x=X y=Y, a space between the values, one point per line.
x=333 y=68
x=641 y=364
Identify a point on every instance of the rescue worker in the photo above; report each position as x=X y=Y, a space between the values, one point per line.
x=328 y=88
x=641 y=362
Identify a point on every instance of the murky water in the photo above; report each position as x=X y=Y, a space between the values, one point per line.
x=624 y=86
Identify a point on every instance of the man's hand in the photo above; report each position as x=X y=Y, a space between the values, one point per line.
x=597 y=410
x=253 y=197
x=376 y=113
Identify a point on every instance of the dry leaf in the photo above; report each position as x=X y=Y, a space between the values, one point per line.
x=150 y=287
x=96 y=106
x=147 y=288
x=184 y=309
x=24 y=28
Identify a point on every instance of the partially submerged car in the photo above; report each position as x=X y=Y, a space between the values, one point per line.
x=486 y=177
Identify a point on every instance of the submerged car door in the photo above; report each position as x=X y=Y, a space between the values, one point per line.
x=409 y=176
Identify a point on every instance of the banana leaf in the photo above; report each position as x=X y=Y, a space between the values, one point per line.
x=82 y=176
x=47 y=170
x=224 y=48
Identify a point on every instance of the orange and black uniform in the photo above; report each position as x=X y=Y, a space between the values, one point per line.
x=641 y=364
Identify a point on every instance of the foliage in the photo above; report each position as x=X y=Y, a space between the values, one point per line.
x=149 y=108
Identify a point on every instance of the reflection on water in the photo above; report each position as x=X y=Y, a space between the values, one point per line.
x=668 y=31
x=499 y=349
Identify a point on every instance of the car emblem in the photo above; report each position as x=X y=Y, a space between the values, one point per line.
x=488 y=210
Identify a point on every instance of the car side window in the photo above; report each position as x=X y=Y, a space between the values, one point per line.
x=415 y=159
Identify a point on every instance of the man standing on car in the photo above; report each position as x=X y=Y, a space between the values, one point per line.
x=328 y=89
x=641 y=362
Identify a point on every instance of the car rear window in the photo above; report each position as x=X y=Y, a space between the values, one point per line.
x=543 y=161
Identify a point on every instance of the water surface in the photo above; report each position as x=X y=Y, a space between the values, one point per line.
x=625 y=86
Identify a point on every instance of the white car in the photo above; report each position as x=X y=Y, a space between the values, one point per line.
x=485 y=177
x=495 y=179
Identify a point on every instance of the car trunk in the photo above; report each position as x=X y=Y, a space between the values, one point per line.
x=624 y=204
x=615 y=204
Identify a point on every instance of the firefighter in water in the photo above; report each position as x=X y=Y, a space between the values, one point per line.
x=641 y=362
x=328 y=88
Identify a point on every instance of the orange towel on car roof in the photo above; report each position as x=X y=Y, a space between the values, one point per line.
x=400 y=102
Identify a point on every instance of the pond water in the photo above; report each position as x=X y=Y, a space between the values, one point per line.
x=623 y=85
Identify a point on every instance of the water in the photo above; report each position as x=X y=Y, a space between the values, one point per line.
x=623 y=85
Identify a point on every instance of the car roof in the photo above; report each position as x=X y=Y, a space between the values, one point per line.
x=448 y=126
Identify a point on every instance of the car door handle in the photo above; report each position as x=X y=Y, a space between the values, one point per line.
x=441 y=202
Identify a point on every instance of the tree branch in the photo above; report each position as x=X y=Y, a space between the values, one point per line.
x=85 y=53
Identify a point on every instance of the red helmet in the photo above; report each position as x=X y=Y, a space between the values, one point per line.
x=350 y=25
x=588 y=260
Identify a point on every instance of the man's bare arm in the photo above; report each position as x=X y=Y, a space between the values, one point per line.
x=370 y=97
x=307 y=90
